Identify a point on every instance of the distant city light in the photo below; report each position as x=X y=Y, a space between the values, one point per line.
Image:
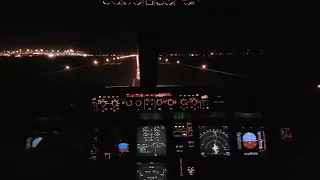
x=114 y=58
x=167 y=60
x=178 y=62
x=67 y=67
x=95 y=62
x=117 y=57
x=107 y=60
x=318 y=86
x=159 y=58
x=204 y=66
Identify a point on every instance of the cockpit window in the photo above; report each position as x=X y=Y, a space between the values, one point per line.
x=230 y=59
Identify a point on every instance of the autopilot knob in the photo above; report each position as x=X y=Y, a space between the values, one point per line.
x=115 y=103
x=129 y=103
x=159 y=102
x=194 y=102
x=170 y=102
x=183 y=102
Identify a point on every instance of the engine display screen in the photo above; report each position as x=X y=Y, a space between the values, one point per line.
x=151 y=141
x=251 y=141
x=151 y=170
x=214 y=141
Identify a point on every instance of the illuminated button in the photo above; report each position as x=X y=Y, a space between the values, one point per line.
x=149 y=2
x=107 y=155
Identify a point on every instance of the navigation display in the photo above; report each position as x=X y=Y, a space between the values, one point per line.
x=251 y=141
x=214 y=141
x=151 y=141
x=151 y=170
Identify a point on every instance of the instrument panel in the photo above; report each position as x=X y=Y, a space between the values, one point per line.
x=149 y=2
x=171 y=135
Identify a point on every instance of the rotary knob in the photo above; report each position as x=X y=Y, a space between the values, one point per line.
x=127 y=2
x=184 y=102
x=194 y=101
x=160 y=2
x=159 y=102
x=106 y=2
x=138 y=103
x=116 y=2
x=170 y=102
x=115 y=103
x=137 y=2
x=129 y=103
x=169 y=2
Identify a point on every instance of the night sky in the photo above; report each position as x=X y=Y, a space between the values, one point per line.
x=88 y=26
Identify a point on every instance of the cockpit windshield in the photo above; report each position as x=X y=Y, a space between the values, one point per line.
x=196 y=47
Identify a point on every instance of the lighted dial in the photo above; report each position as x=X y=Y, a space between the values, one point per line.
x=106 y=2
x=137 y=2
x=127 y=2
x=170 y=102
x=115 y=103
x=189 y=2
x=103 y=104
x=183 y=102
x=138 y=103
x=129 y=103
x=214 y=141
x=169 y=2
x=116 y=2
x=249 y=140
x=194 y=101
x=160 y=2
x=159 y=102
